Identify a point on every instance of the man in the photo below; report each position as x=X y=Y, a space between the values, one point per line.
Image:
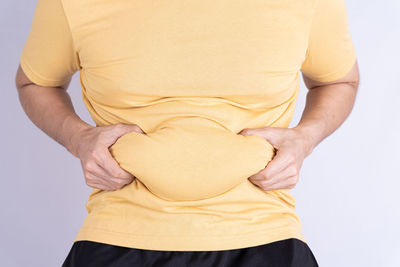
x=181 y=93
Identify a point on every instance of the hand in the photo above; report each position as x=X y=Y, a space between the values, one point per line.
x=282 y=172
x=100 y=169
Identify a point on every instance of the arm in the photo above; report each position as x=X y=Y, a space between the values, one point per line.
x=48 y=61
x=328 y=104
x=330 y=72
x=51 y=109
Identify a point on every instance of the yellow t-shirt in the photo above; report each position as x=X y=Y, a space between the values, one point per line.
x=191 y=74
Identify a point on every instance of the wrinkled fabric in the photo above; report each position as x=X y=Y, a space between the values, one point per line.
x=192 y=75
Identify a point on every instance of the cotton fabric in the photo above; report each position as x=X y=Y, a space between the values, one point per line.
x=192 y=75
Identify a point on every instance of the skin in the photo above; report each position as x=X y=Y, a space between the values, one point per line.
x=51 y=109
x=327 y=106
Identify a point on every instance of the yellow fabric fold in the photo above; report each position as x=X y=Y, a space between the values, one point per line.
x=191 y=75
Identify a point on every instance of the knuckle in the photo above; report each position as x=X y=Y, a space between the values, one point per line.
x=99 y=156
x=93 y=153
x=86 y=175
x=88 y=181
x=264 y=184
x=120 y=183
x=89 y=166
x=266 y=174
x=95 y=156
x=116 y=173
x=293 y=180
x=293 y=171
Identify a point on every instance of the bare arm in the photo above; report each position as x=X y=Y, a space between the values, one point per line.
x=51 y=109
x=327 y=107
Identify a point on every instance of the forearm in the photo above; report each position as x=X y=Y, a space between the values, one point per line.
x=327 y=107
x=51 y=109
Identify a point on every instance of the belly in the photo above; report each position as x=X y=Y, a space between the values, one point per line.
x=191 y=158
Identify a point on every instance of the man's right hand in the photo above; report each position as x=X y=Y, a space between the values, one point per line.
x=100 y=169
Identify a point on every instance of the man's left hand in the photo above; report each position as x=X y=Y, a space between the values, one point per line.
x=292 y=146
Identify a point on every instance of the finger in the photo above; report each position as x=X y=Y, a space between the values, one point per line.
x=111 y=166
x=127 y=128
x=268 y=173
x=140 y=130
x=279 y=177
x=283 y=184
x=133 y=128
x=113 y=181
x=92 y=178
x=116 y=182
x=111 y=133
x=278 y=164
x=251 y=131
x=94 y=171
x=289 y=171
x=100 y=186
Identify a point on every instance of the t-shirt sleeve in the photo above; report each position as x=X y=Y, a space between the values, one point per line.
x=330 y=54
x=48 y=57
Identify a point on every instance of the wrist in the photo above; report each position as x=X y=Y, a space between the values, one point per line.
x=311 y=133
x=74 y=127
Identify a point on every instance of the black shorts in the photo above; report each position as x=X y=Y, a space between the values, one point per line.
x=290 y=252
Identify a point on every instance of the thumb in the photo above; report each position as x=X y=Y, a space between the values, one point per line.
x=132 y=128
x=271 y=134
x=121 y=129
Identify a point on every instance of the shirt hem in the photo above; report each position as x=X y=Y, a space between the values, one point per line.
x=202 y=242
